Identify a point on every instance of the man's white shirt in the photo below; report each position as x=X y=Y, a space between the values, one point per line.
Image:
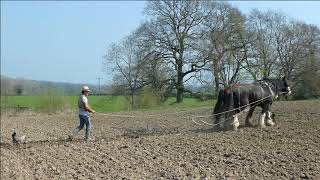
x=83 y=100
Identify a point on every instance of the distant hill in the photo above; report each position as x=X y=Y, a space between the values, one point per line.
x=19 y=86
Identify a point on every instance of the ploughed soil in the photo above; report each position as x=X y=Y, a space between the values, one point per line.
x=163 y=145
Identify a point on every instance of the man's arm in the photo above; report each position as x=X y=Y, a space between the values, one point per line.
x=88 y=108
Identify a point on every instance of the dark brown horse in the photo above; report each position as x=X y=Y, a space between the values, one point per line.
x=240 y=97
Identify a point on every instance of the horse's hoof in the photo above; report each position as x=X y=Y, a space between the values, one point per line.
x=262 y=126
x=235 y=128
x=270 y=123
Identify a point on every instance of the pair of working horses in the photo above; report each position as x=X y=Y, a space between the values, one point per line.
x=246 y=97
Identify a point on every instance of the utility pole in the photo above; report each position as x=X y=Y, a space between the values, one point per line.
x=99 y=78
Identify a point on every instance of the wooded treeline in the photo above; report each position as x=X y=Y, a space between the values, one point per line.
x=211 y=45
x=15 y=86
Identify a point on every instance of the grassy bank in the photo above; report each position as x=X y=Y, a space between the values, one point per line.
x=99 y=103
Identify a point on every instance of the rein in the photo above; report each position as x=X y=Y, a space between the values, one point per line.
x=227 y=112
x=192 y=118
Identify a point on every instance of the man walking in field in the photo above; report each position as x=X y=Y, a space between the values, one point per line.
x=84 y=110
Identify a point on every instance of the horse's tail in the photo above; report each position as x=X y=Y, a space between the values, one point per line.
x=218 y=107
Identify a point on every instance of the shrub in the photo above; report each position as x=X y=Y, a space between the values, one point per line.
x=147 y=98
x=51 y=102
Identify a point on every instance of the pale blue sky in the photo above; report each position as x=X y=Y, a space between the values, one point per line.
x=65 y=41
x=62 y=41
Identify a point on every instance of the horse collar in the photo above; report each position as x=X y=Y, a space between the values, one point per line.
x=272 y=92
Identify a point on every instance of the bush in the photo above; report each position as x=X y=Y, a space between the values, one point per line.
x=51 y=102
x=147 y=99
x=308 y=87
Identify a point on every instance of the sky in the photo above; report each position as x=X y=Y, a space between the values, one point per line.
x=65 y=41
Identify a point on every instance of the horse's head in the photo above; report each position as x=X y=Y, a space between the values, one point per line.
x=283 y=86
x=280 y=86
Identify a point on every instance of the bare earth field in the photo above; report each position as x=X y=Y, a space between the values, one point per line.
x=164 y=146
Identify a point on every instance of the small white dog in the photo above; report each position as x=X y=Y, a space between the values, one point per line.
x=16 y=139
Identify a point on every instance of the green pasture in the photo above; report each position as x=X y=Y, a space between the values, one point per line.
x=50 y=103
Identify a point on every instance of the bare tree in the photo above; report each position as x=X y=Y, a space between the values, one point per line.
x=210 y=44
x=123 y=60
x=225 y=42
x=306 y=73
x=158 y=77
x=174 y=29
x=290 y=44
x=261 y=26
x=156 y=73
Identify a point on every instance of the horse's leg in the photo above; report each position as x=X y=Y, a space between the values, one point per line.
x=261 y=120
x=235 y=122
x=226 y=117
x=217 y=122
x=248 y=122
x=230 y=111
x=265 y=110
x=218 y=115
x=269 y=119
x=217 y=110
x=238 y=102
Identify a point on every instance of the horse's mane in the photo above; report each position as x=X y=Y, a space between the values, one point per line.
x=272 y=80
x=278 y=83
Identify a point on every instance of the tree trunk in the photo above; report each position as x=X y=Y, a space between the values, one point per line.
x=216 y=76
x=180 y=88
x=131 y=101
x=179 y=95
